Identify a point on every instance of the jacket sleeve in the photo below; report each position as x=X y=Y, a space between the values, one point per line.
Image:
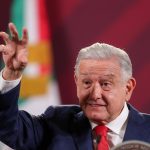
x=18 y=129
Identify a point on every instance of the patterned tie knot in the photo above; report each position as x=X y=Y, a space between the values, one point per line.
x=101 y=130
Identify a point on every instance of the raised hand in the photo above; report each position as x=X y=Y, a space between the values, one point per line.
x=14 y=52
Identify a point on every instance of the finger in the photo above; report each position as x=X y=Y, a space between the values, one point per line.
x=6 y=50
x=2 y=48
x=25 y=37
x=13 y=32
x=5 y=37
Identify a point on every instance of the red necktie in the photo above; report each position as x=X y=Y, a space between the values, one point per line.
x=101 y=137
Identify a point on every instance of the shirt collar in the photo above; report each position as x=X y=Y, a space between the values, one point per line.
x=117 y=124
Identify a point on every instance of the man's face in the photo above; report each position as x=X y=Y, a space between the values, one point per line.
x=101 y=89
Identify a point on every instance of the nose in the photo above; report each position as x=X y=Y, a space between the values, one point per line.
x=96 y=92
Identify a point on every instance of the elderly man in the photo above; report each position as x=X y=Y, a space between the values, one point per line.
x=103 y=76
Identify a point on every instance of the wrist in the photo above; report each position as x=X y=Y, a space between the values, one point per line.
x=9 y=75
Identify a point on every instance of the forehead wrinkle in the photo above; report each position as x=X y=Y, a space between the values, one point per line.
x=97 y=68
x=110 y=76
x=102 y=70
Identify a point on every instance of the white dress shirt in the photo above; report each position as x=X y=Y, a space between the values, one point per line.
x=6 y=85
x=116 y=127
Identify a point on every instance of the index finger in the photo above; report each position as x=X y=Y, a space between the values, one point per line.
x=13 y=31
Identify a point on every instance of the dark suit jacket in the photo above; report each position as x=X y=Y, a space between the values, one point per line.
x=61 y=127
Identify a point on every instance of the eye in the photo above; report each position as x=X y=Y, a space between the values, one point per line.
x=87 y=83
x=106 y=85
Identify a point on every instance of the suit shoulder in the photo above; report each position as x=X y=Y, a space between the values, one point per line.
x=62 y=110
x=145 y=116
x=60 y=116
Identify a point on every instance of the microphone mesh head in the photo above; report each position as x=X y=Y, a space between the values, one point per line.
x=132 y=145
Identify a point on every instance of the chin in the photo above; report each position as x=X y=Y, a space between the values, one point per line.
x=96 y=117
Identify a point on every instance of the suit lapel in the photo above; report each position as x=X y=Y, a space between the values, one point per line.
x=135 y=128
x=81 y=132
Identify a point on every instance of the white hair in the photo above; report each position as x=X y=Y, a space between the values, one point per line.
x=101 y=51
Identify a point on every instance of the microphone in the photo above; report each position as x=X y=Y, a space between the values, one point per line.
x=132 y=145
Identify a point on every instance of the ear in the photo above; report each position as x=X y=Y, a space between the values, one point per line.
x=131 y=84
x=75 y=79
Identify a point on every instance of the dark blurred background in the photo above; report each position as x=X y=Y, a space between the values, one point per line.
x=76 y=24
